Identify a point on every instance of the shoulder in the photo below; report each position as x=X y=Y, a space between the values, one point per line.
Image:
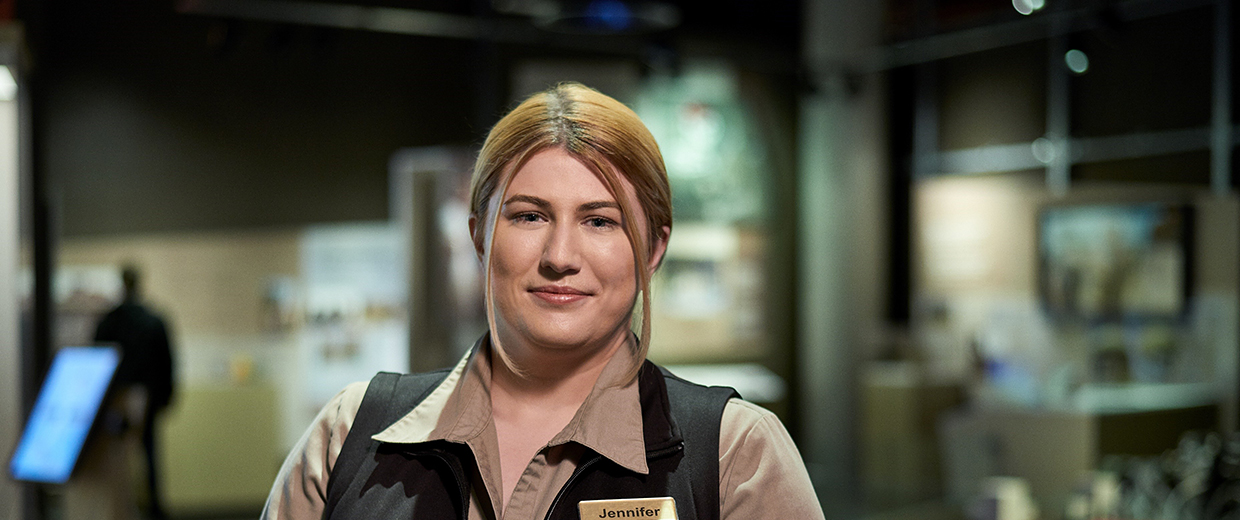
x=745 y=422
x=110 y=317
x=134 y=314
x=300 y=489
x=761 y=474
x=740 y=411
x=335 y=420
x=348 y=401
x=154 y=315
x=682 y=388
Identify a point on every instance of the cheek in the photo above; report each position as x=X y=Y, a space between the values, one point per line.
x=613 y=261
x=513 y=253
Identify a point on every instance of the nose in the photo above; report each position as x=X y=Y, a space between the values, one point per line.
x=561 y=253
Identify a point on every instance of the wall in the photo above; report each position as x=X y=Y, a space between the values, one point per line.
x=224 y=436
x=207 y=282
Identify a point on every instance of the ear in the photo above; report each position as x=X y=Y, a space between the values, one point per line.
x=660 y=247
x=478 y=234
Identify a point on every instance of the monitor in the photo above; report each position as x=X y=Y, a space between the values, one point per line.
x=64 y=411
x=1114 y=262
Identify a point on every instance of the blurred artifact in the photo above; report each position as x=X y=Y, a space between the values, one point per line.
x=145 y=377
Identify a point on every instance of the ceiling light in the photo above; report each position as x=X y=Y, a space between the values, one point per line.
x=1076 y=61
x=8 y=86
x=1028 y=7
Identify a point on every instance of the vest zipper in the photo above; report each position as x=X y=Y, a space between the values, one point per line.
x=571 y=480
x=586 y=465
x=457 y=474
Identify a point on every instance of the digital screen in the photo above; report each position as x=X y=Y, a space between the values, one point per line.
x=1114 y=262
x=63 y=414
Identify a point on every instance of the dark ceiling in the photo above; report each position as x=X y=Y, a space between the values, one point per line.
x=147 y=119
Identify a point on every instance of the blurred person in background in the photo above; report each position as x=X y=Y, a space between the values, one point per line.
x=145 y=374
x=556 y=405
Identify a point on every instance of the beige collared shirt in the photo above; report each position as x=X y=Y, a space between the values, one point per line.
x=761 y=474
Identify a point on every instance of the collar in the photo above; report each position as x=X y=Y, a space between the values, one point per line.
x=620 y=420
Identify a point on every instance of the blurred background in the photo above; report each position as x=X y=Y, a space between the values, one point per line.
x=981 y=256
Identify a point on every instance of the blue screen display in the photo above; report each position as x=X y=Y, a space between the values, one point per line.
x=63 y=413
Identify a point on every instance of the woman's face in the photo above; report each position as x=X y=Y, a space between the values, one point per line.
x=562 y=267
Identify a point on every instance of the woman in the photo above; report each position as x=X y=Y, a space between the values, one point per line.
x=555 y=407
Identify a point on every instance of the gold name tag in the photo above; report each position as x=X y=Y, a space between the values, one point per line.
x=662 y=508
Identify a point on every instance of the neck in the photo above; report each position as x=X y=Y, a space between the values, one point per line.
x=546 y=374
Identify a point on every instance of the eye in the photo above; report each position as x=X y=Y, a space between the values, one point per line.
x=527 y=218
x=600 y=222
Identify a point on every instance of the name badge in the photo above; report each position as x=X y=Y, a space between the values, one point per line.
x=661 y=508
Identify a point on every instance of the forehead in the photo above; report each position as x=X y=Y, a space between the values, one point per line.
x=555 y=174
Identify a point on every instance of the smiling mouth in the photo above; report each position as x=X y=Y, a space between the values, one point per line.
x=557 y=294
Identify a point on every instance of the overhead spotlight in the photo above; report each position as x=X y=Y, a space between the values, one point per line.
x=600 y=16
x=1076 y=61
x=1027 y=7
x=610 y=15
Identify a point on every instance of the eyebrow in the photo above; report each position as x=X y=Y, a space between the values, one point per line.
x=528 y=199
x=598 y=205
x=544 y=204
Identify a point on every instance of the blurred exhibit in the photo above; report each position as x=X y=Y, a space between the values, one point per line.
x=982 y=257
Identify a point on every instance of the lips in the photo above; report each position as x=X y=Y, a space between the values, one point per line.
x=559 y=294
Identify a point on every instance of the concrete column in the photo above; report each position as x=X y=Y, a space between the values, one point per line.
x=10 y=313
x=842 y=155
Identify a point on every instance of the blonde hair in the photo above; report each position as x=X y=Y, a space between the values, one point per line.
x=607 y=137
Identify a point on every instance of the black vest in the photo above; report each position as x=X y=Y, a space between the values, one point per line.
x=432 y=480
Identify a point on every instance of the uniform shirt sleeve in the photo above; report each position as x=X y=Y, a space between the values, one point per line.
x=300 y=489
x=761 y=474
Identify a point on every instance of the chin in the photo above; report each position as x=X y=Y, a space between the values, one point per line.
x=559 y=329
x=562 y=339
x=566 y=334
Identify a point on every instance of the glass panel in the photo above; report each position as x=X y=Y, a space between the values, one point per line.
x=707 y=296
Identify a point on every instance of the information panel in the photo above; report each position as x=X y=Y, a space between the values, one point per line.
x=64 y=411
